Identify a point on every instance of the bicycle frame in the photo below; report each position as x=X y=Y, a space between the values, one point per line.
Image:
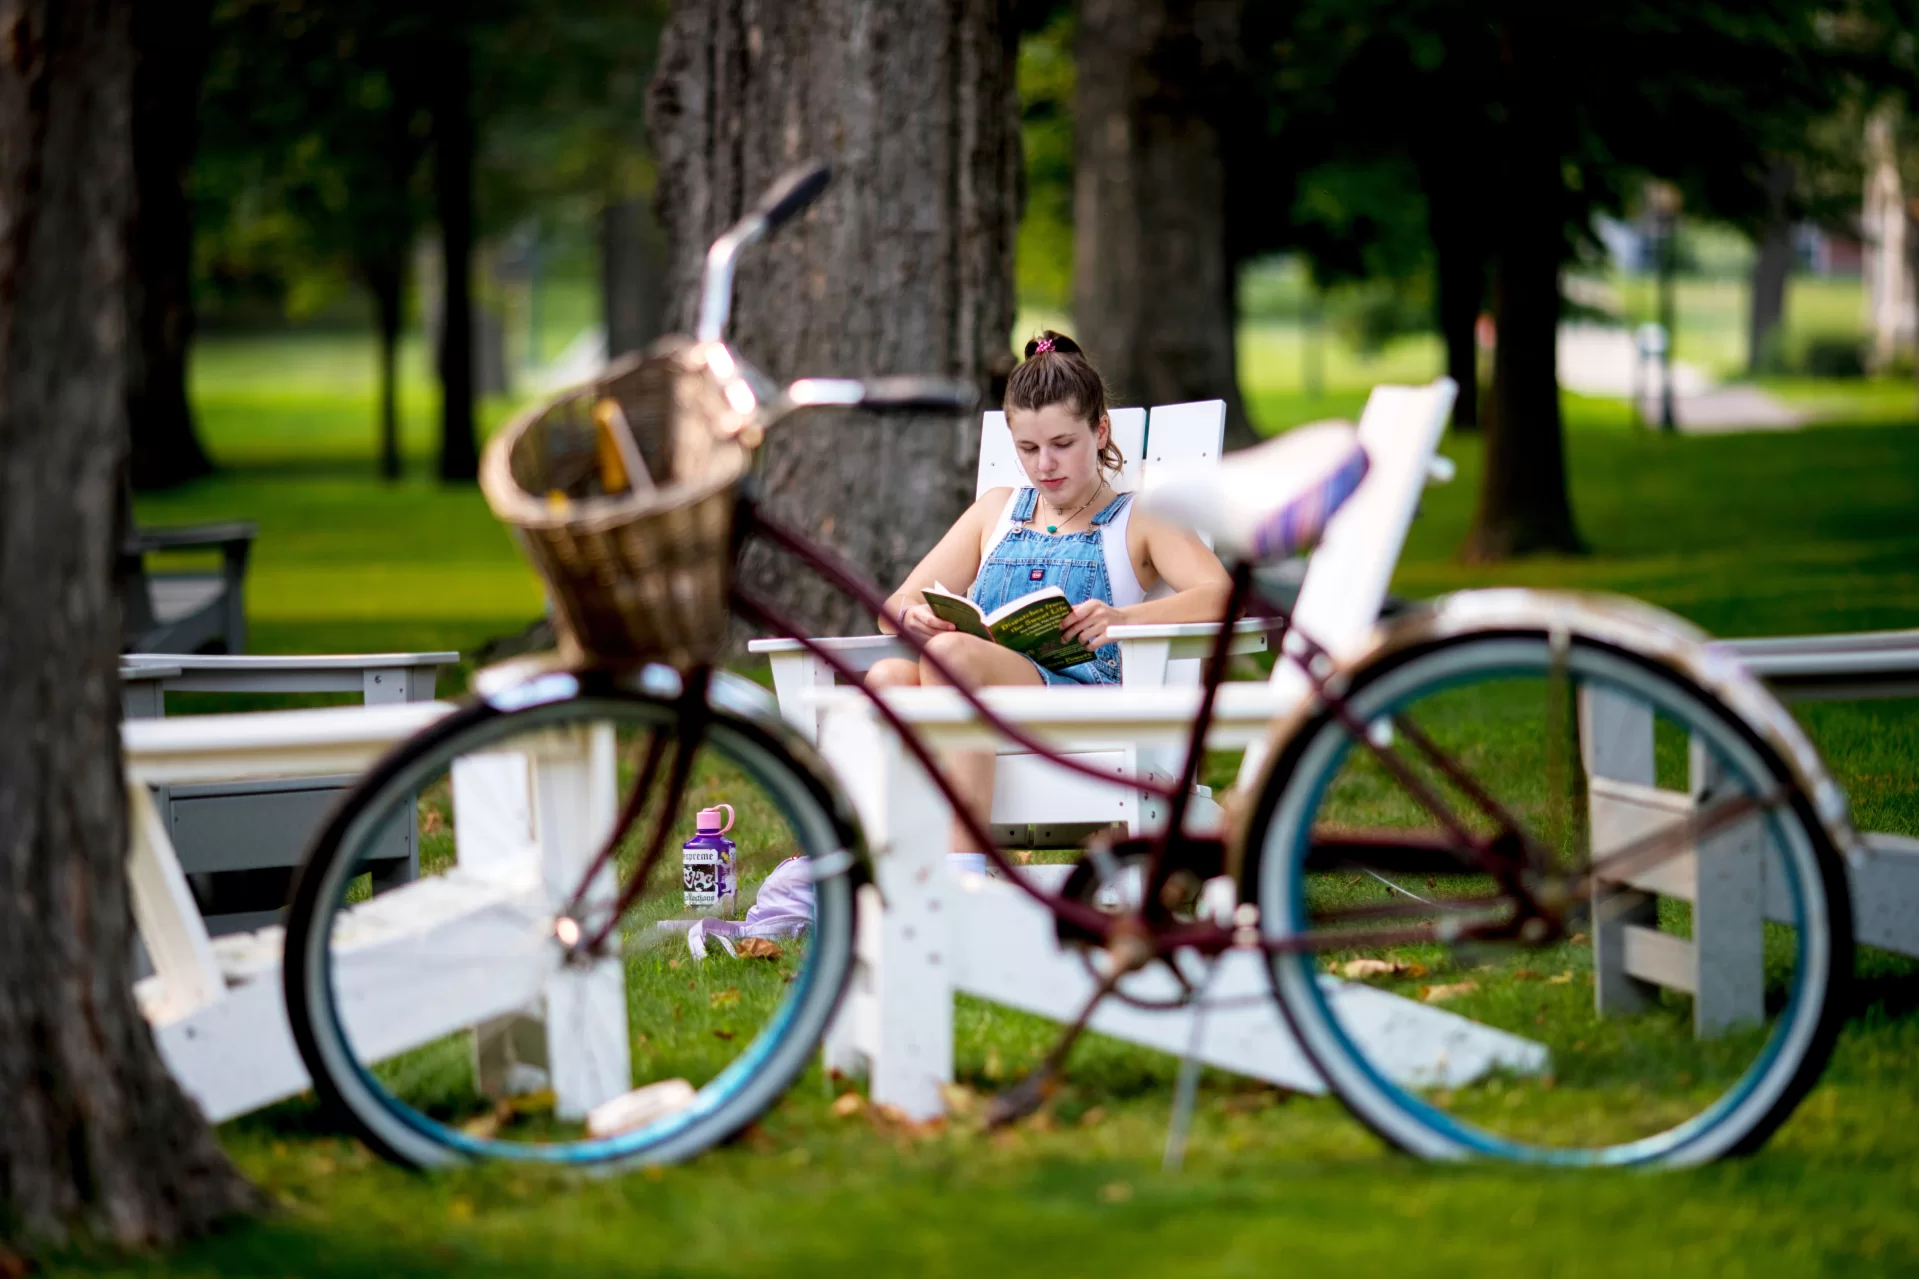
x=1510 y=857
x=1513 y=859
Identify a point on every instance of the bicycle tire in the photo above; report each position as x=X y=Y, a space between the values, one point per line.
x=1631 y=651
x=734 y=1097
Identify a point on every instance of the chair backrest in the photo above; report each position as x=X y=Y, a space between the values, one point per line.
x=1348 y=572
x=999 y=462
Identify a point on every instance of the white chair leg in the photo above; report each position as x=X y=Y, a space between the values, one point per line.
x=575 y=790
x=1728 y=925
x=901 y=1016
x=1616 y=742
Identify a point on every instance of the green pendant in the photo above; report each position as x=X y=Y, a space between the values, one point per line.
x=1052 y=528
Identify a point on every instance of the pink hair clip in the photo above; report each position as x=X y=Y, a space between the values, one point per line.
x=1042 y=346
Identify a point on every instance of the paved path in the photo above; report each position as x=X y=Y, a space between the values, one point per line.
x=1596 y=360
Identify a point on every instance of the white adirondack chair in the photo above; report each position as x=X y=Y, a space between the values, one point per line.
x=1036 y=803
x=939 y=934
x=524 y=823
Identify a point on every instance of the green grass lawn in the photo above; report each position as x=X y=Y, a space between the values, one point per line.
x=1748 y=534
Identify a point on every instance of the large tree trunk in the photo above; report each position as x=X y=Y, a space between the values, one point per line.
x=95 y=1137
x=453 y=144
x=904 y=266
x=1524 y=505
x=1153 y=290
x=1456 y=222
x=170 y=53
x=1770 y=267
x=632 y=275
x=387 y=282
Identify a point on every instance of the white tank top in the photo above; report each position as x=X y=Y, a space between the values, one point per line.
x=1127 y=590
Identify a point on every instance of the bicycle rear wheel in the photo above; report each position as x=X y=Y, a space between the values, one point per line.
x=459 y=1016
x=1691 y=994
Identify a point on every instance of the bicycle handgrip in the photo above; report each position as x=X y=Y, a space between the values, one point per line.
x=792 y=192
x=918 y=395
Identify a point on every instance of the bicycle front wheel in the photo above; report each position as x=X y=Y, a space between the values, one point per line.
x=1677 y=990
x=442 y=976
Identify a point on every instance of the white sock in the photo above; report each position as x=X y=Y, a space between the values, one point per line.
x=966 y=863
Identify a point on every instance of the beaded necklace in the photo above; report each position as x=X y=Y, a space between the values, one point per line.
x=1054 y=528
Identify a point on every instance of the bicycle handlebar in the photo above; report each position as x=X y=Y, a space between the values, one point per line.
x=792 y=192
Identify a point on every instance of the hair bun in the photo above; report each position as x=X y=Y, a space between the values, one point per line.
x=1051 y=341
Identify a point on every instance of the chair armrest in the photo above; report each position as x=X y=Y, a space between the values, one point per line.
x=1255 y=626
x=861 y=652
x=377 y=677
x=187 y=537
x=1145 y=649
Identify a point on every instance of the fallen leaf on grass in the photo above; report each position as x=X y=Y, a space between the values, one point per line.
x=722 y=1034
x=485 y=1128
x=848 y=1104
x=893 y=1119
x=1115 y=1192
x=959 y=1099
x=672 y=963
x=1357 y=969
x=1577 y=938
x=757 y=948
x=1524 y=974
x=723 y=998
x=1560 y=979
x=1447 y=990
x=1091 y=1116
x=432 y=822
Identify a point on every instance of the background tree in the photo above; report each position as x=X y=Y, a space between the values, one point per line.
x=170 y=54
x=95 y=1137
x=1152 y=282
x=906 y=265
x=316 y=132
x=448 y=73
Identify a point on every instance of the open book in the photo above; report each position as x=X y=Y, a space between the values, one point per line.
x=1029 y=625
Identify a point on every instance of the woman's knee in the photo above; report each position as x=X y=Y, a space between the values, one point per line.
x=966 y=656
x=893 y=672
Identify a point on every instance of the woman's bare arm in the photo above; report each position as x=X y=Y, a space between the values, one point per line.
x=953 y=561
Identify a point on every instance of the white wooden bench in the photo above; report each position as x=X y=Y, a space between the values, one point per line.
x=238 y=839
x=1729 y=891
x=215 y=1004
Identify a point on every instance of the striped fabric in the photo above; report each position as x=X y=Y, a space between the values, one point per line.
x=1297 y=524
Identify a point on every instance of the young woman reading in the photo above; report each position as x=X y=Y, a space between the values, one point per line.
x=1069 y=529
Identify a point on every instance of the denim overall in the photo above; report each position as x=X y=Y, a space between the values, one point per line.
x=1027 y=560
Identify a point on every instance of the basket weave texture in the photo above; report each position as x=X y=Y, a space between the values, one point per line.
x=639 y=570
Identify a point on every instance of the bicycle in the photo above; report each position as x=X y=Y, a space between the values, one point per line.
x=1422 y=835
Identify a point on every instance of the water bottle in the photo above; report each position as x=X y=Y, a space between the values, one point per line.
x=709 y=871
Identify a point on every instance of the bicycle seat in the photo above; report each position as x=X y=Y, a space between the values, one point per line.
x=1269 y=501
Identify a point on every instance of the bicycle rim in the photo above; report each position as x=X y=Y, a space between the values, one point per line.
x=1690 y=1000
x=450 y=1014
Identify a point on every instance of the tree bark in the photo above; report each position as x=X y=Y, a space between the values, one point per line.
x=453 y=145
x=632 y=271
x=387 y=283
x=95 y=1137
x=1456 y=222
x=1524 y=504
x=1770 y=267
x=1154 y=297
x=170 y=53
x=904 y=266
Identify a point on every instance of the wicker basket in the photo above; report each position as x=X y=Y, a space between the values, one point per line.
x=639 y=567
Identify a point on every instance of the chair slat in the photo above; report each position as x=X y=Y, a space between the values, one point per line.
x=999 y=462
